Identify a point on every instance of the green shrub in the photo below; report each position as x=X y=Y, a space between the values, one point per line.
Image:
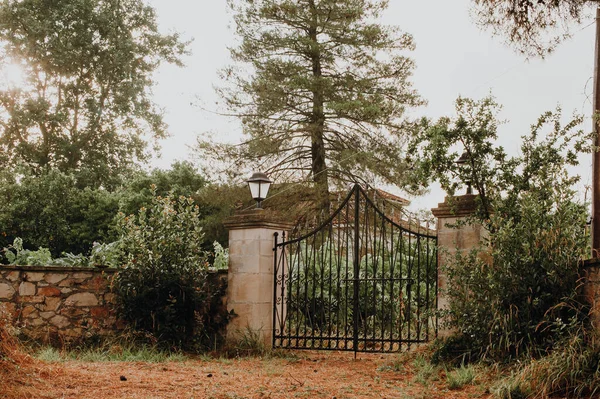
x=50 y=211
x=503 y=295
x=162 y=283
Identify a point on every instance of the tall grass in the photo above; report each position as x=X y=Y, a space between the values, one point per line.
x=572 y=369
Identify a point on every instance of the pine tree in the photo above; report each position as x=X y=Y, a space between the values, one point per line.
x=321 y=89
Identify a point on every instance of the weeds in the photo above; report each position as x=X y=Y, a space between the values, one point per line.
x=424 y=370
x=117 y=354
x=461 y=376
x=572 y=369
x=249 y=342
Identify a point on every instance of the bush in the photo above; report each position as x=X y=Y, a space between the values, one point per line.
x=504 y=296
x=503 y=305
x=50 y=211
x=162 y=283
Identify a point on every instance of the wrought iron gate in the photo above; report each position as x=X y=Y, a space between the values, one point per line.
x=362 y=281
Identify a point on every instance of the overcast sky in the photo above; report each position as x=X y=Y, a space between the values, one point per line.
x=453 y=57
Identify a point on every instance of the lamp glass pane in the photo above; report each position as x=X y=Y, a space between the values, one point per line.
x=265 y=189
x=254 y=189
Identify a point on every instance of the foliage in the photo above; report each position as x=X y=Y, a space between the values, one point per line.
x=321 y=290
x=162 y=283
x=16 y=255
x=86 y=103
x=139 y=189
x=502 y=296
x=102 y=255
x=571 y=370
x=105 y=254
x=326 y=93
x=50 y=211
x=221 y=257
x=533 y=27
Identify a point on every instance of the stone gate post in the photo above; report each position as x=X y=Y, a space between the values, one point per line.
x=452 y=238
x=250 y=277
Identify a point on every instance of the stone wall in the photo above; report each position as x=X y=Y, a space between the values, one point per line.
x=58 y=303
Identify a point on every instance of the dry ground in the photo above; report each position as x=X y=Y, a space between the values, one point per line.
x=307 y=375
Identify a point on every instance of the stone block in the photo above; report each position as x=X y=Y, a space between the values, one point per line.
x=69 y=282
x=6 y=291
x=54 y=278
x=49 y=291
x=97 y=283
x=72 y=332
x=13 y=276
x=82 y=299
x=82 y=275
x=26 y=289
x=60 y=321
x=33 y=276
x=110 y=298
x=99 y=311
x=51 y=304
x=66 y=290
x=29 y=311
x=32 y=299
x=47 y=315
x=36 y=322
x=11 y=309
x=244 y=288
x=72 y=312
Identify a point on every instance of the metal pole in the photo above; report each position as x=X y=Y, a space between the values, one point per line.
x=596 y=154
x=356 y=254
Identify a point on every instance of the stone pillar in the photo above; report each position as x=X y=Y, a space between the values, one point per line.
x=452 y=239
x=250 y=278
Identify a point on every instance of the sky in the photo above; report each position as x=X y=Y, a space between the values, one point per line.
x=453 y=58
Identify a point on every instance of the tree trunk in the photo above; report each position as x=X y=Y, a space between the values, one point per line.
x=317 y=122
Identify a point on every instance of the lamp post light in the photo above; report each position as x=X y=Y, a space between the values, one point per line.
x=461 y=162
x=259 y=185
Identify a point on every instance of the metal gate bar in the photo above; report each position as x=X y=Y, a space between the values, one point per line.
x=361 y=281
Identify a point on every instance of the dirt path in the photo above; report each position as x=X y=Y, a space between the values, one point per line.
x=311 y=375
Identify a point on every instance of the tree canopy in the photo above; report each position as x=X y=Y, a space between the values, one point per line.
x=533 y=27
x=321 y=89
x=86 y=101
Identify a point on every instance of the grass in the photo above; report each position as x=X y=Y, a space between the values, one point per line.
x=130 y=354
x=424 y=370
x=458 y=378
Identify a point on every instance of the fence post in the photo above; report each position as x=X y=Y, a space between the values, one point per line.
x=250 y=278
x=454 y=237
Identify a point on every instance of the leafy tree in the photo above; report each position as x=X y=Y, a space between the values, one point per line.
x=533 y=27
x=505 y=296
x=321 y=90
x=88 y=65
x=50 y=211
x=139 y=189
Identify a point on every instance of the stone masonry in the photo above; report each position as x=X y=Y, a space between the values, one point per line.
x=453 y=238
x=58 y=303
x=250 y=279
